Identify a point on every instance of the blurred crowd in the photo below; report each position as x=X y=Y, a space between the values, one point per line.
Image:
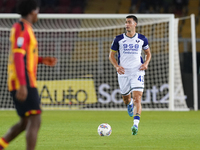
x=159 y=6
x=177 y=7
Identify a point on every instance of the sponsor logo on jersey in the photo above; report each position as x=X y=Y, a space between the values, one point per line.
x=20 y=41
x=130 y=48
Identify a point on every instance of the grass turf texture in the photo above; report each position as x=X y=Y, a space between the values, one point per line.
x=77 y=130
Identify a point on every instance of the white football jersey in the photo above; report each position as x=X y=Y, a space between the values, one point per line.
x=129 y=52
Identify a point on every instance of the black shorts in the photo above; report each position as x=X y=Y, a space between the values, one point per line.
x=30 y=106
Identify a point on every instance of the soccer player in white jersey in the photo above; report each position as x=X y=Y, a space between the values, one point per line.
x=130 y=67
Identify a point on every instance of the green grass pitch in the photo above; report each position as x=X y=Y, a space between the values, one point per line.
x=77 y=130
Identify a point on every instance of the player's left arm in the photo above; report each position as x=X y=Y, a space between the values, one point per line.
x=144 y=66
x=49 y=61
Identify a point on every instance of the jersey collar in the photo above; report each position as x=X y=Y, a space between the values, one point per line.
x=25 y=21
x=130 y=37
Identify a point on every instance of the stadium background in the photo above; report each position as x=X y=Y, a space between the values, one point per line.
x=180 y=8
x=73 y=130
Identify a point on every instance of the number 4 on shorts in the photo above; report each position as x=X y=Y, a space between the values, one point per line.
x=140 y=78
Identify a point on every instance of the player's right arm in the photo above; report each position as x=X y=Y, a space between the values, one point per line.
x=19 y=41
x=113 y=50
x=112 y=59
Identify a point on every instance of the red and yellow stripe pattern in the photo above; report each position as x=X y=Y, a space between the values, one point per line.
x=28 y=46
x=32 y=112
x=3 y=143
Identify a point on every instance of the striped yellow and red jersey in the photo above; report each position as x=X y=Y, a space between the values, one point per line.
x=23 y=57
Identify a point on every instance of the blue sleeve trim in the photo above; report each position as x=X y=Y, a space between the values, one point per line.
x=142 y=37
x=115 y=44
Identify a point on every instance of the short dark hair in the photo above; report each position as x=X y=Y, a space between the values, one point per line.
x=134 y=18
x=25 y=7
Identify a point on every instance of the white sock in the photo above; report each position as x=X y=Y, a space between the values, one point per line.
x=131 y=102
x=136 y=122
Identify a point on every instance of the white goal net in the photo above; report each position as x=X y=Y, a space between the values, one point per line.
x=83 y=77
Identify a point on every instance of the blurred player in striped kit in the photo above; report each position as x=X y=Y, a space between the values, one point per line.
x=22 y=70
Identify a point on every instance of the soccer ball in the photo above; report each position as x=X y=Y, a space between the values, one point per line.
x=104 y=129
